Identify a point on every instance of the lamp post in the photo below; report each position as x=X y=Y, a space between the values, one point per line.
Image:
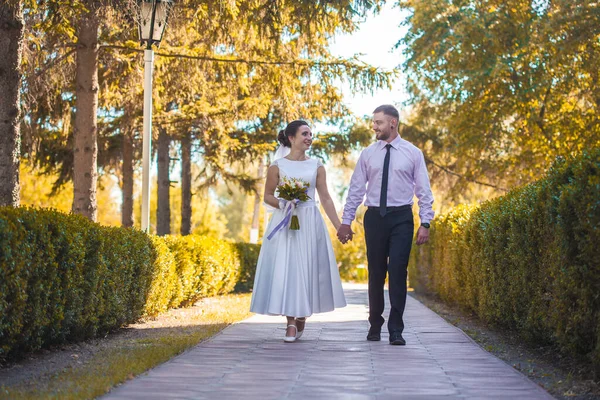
x=153 y=16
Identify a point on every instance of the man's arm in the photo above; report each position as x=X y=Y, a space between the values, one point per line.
x=425 y=198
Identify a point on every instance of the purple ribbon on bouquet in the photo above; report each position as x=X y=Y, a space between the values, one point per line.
x=288 y=210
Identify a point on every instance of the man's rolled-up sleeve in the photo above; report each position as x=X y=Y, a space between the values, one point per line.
x=423 y=190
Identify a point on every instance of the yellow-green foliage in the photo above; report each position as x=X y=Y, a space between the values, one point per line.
x=206 y=266
x=248 y=256
x=166 y=290
x=64 y=278
x=528 y=260
x=352 y=256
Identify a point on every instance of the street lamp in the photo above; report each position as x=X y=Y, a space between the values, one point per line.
x=153 y=16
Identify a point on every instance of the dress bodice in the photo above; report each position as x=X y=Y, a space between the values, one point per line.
x=305 y=170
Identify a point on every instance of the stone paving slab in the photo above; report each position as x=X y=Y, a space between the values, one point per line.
x=333 y=360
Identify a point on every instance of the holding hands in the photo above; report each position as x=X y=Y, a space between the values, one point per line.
x=344 y=233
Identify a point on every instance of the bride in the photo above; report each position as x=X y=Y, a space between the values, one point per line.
x=297 y=274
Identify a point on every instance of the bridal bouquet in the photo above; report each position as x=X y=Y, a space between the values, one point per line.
x=294 y=190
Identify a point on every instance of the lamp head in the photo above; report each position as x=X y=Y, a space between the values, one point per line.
x=153 y=17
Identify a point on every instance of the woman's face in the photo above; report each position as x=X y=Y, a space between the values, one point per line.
x=303 y=138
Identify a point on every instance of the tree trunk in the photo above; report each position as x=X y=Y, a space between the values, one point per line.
x=85 y=174
x=163 y=209
x=11 y=48
x=127 y=171
x=186 y=185
x=256 y=214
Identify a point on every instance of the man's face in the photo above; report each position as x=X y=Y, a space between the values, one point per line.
x=384 y=126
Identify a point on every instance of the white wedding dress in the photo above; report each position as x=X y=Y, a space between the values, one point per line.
x=297 y=274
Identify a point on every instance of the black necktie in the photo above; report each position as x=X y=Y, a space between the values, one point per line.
x=384 y=182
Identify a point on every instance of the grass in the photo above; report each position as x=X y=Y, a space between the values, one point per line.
x=132 y=356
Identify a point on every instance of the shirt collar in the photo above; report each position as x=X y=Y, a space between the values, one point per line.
x=395 y=143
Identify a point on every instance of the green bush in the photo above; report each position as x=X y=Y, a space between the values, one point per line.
x=248 y=256
x=64 y=278
x=165 y=290
x=528 y=260
x=206 y=266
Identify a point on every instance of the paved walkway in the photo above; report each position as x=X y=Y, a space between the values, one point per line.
x=249 y=360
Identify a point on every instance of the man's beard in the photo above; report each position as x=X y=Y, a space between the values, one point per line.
x=383 y=135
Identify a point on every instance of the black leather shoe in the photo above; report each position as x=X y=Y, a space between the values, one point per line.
x=397 y=339
x=374 y=335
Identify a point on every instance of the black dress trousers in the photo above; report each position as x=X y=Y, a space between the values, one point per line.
x=389 y=241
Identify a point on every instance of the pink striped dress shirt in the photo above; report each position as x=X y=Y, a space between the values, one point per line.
x=407 y=178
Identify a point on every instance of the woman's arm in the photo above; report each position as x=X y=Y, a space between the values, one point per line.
x=271 y=185
x=325 y=198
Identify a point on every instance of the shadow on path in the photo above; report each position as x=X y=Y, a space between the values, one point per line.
x=333 y=360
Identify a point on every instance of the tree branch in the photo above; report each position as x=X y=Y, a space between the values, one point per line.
x=235 y=60
x=54 y=63
x=540 y=120
x=449 y=171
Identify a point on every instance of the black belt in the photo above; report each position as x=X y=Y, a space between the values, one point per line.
x=393 y=209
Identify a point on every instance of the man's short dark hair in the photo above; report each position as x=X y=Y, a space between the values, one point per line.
x=388 y=109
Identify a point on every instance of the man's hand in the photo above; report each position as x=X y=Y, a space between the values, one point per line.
x=344 y=233
x=422 y=235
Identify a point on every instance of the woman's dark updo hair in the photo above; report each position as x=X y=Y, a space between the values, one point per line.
x=290 y=131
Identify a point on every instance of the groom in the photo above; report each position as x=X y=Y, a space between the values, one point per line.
x=390 y=172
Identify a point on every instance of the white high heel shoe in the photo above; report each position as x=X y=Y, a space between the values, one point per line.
x=290 y=339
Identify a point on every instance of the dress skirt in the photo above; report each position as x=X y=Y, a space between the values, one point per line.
x=297 y=274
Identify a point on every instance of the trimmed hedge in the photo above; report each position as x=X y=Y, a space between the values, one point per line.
x=166 y=288
x=206 y=266
x=248 y=255
x=64 y=278
x=529 y=260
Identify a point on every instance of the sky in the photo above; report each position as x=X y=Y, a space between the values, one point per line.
x=375 y=40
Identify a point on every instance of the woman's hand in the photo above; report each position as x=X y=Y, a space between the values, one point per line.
x=282 y=204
